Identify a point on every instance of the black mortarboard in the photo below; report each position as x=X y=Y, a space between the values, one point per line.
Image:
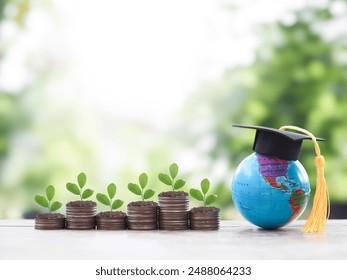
x=277 y=143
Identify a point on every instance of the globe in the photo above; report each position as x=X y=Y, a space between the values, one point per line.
x=270 y=192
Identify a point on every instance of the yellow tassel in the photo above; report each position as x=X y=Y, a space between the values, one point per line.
x=316 y=221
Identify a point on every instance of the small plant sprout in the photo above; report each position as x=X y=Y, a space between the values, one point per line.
x=108 y=200
x=78 y=190
x=201 y=195
x=47 y=202
x=171 y=180
x=140 y=190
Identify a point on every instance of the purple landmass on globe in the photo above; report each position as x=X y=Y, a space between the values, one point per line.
x=271 y=168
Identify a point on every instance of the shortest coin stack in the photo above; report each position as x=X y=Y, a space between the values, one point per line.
x=173 y=213
x=111 y=220
x=80 y=215
x=50 y=221
x=204 y=218
x=143 y=215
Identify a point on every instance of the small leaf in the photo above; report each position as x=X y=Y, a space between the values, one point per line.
x=82 y=179
x=87 y=193
x=73 y=188
x=55 y=206
x=143 y=179
x=196 y=194
x=50 y=192
x=165 y=179
x=41 y=200
x=148 y=194
x=179 y=184
x=102 y=198
x=173 y=170
x=111 y=190
x=205 y=185
x=134 y=189
x=117 y=203
x=210 y=199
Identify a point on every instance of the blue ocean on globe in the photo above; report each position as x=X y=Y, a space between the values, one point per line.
x=270 y=192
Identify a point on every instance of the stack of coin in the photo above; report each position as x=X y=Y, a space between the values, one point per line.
x=204 y=218
x=142 y=215
x=50 y=221
x=111 y=220
x=173 y=210
x=80 y=215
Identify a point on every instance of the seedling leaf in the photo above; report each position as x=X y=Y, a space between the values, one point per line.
x=73 y=188
x=196 y=194
x=148 y=193
x=134 y=189
x=102 y=198
x=41 y=200
x=87 y=193
x=173 y=170
x=50 y=192
x=82 y=179
x=179 y=184
x=117 y=203
x=143 y=179
x=55 y=206
x=165 y=179
x=210 y=199
x=205 y=185
x=111 y=190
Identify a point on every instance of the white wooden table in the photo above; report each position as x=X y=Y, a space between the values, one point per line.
x=235 y=240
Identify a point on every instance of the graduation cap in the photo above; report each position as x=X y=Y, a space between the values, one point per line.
x=277 y=143
x=286 y=145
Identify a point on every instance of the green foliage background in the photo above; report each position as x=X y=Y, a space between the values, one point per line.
x=298 y=77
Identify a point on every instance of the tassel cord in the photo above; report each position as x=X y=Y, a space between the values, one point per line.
x=316 y=222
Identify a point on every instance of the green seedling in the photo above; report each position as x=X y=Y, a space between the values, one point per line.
x=171 y=180
x=140 y=190
x=108 y=199
x=201 y=195
x=47 y=202
x=78 y=189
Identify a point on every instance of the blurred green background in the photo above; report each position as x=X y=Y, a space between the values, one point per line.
x=86 y=90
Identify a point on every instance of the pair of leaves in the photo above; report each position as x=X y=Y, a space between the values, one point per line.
x=201 y=195
x=102 y=198
x=45 y=201
x=139 y=189
x=73 y=188
x=77 y=190
x=135 y=189
x=198 y=195
x=169 y=179
x=107 y=200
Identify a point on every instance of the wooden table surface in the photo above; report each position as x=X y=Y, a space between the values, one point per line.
x=235 y=240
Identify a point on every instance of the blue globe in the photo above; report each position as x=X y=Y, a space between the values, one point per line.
x=270 y=192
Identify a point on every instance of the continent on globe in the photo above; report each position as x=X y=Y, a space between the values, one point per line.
x=298 y=200
x=271 y=168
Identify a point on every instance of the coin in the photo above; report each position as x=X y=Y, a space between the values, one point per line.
x=142 y=215
x=50 y=221
x=173 y=211
x=80 y=215
x=204 y=218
